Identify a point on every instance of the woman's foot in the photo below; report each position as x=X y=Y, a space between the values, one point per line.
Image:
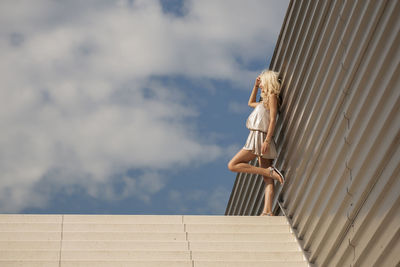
x=275 y=174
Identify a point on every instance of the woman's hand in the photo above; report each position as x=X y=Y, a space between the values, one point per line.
x=257 y=83
x=264 y=147
x=252 y=100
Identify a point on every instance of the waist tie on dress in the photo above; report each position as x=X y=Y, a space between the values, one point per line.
x=256 y=130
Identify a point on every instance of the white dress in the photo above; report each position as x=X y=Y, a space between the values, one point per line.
x=258 y=123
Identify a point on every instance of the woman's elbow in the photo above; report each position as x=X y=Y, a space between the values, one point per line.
x=251 y=104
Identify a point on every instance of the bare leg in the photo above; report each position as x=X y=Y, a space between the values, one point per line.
x=240 y=163
x=269 y=187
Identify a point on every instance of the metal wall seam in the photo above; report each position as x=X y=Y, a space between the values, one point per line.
x=390 y=256
x=373 y=220
x=300 y=28
x=343 y=225
x=239 y=190
x=229 y=205
x=307 y=46
x=240 y=178
x=288 y=153
x=248 y=187
x=372 y=120
x=321 y=126
x=258 y=188
x=312 y=104
x=282 y=33
x=306 y=254
x=338 y=132
x=244 y=180
x=259 y=203
x=324 y=127
x=290 y=28
x=255 y=194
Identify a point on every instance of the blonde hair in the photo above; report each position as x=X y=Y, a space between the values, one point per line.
x=269 y=81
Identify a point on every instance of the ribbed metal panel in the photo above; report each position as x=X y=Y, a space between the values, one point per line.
x=247 y=194
x=338 y=133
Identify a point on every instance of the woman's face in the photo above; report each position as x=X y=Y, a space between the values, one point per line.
x=263 y=90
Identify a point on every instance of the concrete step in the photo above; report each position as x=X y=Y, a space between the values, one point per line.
x=123 y=236
x=164 y=228
x=86 y=236
x=30 y=245
x=147 y=240
x=172 y=263
x=153 y=264
x=150 y=245
x=272 y=237
x=124 y=219
x=29 y=263
x=247 y=255
x=98 y=255
x=159 y=228
x=30 y=218
x=236 y=228
x=142 y=236
x=249 y=264
x=181 y=255
x=107 y=255
x=30 y=227
x=30 y=236
x=33 y=255
x=125 y=245
x=56 y=236
x=141 y=219
x=98 y=227
x=264 y=220
x=76 y=255
x=243 y=246
x=95 y=263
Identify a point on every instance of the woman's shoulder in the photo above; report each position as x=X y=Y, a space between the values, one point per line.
x=262 y=106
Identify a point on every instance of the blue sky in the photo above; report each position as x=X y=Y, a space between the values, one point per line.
x=127 y=107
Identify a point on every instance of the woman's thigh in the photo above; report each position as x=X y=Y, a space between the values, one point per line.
x=243 y=156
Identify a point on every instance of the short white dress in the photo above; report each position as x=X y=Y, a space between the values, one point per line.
x=258 y=123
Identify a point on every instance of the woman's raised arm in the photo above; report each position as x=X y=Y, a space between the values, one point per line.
x=252 y=100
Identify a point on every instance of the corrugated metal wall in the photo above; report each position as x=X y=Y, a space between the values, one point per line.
x=338 y=133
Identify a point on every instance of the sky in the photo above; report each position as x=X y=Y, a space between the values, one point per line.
x=127 y=107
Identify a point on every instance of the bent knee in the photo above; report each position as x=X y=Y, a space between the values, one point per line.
x=231 y=166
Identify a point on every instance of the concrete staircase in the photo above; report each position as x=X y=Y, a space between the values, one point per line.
x=147 y=241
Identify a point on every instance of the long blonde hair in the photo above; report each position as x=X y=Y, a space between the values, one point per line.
x=270 y=81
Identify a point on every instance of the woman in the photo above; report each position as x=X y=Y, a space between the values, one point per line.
x=260 y=143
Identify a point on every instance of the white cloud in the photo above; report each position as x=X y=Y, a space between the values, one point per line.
x=236 y=107
x=211 y=201
x=73 y=99
x=141 y=186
